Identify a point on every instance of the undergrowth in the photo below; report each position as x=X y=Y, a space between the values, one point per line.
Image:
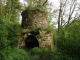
x=67 y=44
x=31 y=54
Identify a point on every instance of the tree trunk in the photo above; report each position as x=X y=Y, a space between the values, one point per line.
x=39 y=1
x=45 y=2
x=59 y=18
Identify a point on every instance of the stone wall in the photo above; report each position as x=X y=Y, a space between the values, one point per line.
x=31 y=20
x=34 y=19
x=44 y=38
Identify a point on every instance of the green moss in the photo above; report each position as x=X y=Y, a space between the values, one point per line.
x=37 y=8
x=37 y=35
x=36 y=31
x=25 y=30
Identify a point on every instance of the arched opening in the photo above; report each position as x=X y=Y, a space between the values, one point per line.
x=31 y=42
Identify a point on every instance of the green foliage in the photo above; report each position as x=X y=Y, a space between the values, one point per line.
x=13 y=54
x=32 y=2
x=36 y=8
x=35 y=2
x=35 y=5
x=49 y=29
x=31 y=54
x=44 y=54
x=8 y=32
x=37 y=29
x=68 y=41
x=37 y=50
x=11 y=10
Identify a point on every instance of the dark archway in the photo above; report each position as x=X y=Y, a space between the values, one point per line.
x=31 y=42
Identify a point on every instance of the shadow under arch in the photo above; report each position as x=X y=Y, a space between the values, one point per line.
x=31 y=42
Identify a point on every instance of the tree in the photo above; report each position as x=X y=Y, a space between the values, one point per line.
x=71 y=10
x=59 y=16
x=36 y=2
x=12 y=9
x=67 y=8
x=2 y=2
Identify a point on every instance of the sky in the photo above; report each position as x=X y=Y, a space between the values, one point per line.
x=55 y=2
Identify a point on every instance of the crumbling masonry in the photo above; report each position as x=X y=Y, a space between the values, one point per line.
x=32 y=36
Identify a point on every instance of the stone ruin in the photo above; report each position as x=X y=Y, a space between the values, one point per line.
x=32 y=36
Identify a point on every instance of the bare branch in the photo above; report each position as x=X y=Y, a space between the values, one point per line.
x=39 y=1
x=44 y=2
x=71 y=12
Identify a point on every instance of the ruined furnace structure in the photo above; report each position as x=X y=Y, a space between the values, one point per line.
x=32 y=36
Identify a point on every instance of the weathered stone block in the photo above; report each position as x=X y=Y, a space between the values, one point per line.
x=34 y=19
x=31 y=20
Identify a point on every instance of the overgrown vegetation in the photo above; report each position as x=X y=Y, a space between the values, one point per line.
x=66 y=43
x=36 y=5
x=36 y=8
x=9 y=31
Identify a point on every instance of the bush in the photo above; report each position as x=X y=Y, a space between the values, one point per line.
x=37 y=50
x=9 y=31
x=14 y=54
x=68 y=40
x=8 y=36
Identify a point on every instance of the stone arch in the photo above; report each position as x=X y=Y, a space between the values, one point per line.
x=31 y=42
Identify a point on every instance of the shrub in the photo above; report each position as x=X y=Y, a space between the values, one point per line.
x=68 y=40
x=14 y=54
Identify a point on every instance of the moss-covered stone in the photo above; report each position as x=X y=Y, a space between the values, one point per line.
x=35 y=23
x=32 y=19
x=25 y=30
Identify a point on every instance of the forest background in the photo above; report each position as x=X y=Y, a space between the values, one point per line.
x=66 y=37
